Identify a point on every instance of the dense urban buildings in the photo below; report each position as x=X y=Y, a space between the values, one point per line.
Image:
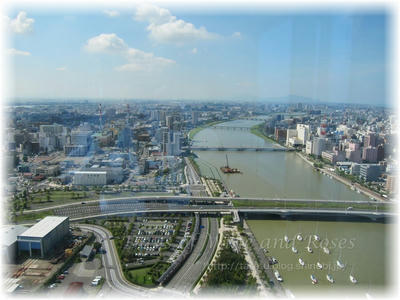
x=149 y=154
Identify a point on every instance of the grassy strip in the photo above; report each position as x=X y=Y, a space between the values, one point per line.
x=33 y=216
x=256 y=130
x=281 y=204
x=196 y=130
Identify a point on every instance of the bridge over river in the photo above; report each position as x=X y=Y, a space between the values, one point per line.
x=266 y=149
x=284 y=213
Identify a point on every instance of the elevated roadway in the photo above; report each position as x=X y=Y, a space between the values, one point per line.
x=204 y=199
x=372 y=215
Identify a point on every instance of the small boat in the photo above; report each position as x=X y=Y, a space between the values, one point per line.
x=299 y=237
x=278 y=276
x=352 y=188
x=326 y=250
x=286 y=238
x=273 y=260
x=316 y=237
x=313 y=279
x=301 y=262
x=319 y=265
x=294 y=250
x=353 y=279
x=340 y=264
x=330 y=177
x=330 y=278
x=309 y=249
x=265 y=250
x=358 y=191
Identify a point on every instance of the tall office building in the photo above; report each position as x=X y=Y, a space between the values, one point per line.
x=195 y=117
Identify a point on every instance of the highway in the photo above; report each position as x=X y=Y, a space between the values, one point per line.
x=114 y=276
x=189 y=273
x=195 y=185
x=186 y=198
x=92 y=212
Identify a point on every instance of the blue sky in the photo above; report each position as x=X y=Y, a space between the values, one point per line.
x=161 y=53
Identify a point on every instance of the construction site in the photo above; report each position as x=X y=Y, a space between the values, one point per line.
x=31 y=274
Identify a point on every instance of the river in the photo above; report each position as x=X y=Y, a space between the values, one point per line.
x=364 y=245
x=264 y=174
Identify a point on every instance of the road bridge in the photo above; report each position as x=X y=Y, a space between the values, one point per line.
x=94 y=212
x=243 y=128
x=256 y=149
x=185 y=199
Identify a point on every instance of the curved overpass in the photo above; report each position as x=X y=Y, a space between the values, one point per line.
x=113 y=272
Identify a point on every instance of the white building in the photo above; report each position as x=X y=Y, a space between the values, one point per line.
x=291 y=137
x=81 y=138
x=52 y=137
x=90 y=178
x=303 y=132
x=319 y=145
x=309 y=147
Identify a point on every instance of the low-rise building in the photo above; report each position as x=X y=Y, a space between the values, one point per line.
x=9 y=245
x=90 y=178
x=42 y=237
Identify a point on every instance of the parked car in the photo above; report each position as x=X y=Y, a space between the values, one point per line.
x=61 y=276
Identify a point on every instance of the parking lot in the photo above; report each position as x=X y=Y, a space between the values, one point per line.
x=84 y=273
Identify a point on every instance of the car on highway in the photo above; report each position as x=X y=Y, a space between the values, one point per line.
x=349 y=208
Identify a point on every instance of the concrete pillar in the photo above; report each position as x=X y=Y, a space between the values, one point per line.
x=30 y=249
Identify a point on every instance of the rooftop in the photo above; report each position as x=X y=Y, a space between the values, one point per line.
x=10 y=233
x=42 y=228
x=90 y=172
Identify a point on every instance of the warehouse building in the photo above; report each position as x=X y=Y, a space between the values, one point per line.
x=9 y=241
x=41 y=238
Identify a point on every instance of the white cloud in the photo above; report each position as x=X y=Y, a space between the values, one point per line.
x=166 y=28
x=106 y=43
x=137 y=60
x=61 y=69
x=13 y=51
x=111 y=13
x=21 y=24
x=153 y=14
x=194 y=50
x=143 y=61
x=237 y=35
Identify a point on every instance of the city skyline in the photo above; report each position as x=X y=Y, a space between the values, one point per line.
x=152 y=52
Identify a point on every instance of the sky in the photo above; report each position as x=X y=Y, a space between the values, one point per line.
x=159 y=52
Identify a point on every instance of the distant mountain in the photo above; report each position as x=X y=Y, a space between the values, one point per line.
x=290 y=99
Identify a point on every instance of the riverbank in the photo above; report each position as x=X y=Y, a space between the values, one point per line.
x=256 y=130
x=196 y=130
x=345 y=181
